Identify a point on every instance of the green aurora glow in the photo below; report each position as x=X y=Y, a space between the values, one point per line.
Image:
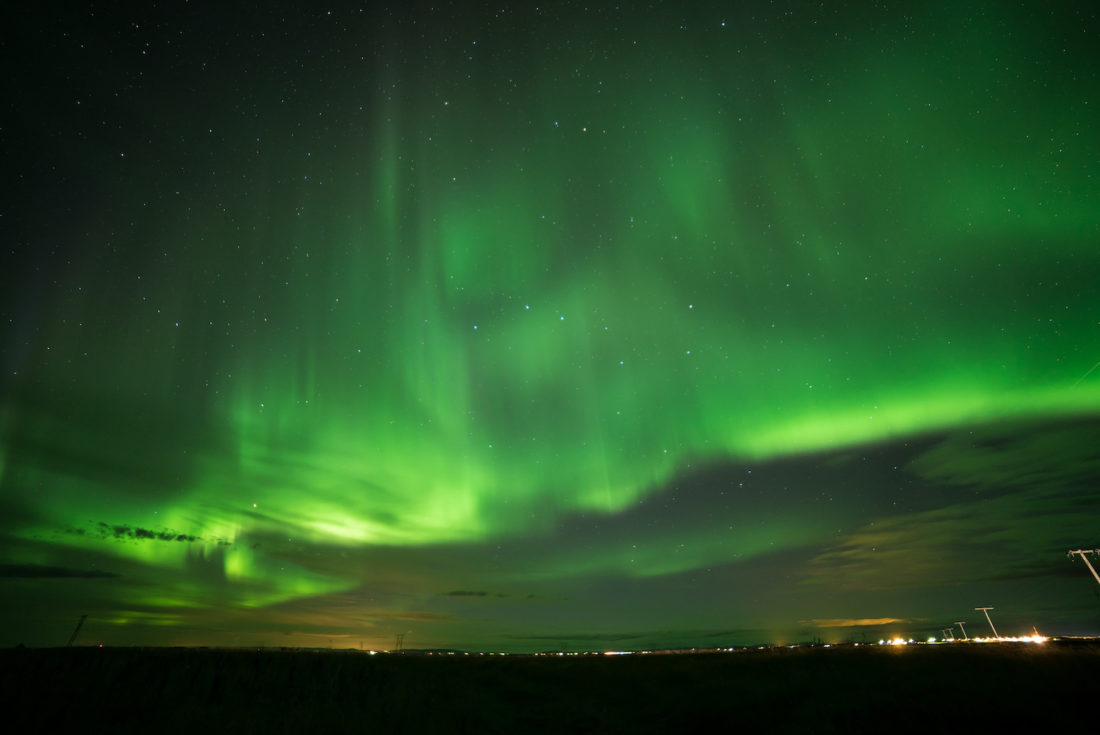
x=325 y=326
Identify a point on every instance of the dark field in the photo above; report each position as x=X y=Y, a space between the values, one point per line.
x=801 y=690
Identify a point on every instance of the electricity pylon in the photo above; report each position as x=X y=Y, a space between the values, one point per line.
x=986 y=611
x=1083 y=553
x=965 y=637
x=79 y=625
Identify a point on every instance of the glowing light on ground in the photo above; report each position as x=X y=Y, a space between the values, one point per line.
x=1013 y=639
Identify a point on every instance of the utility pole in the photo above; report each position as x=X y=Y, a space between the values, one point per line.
x=1083 y=553
x=986 y=611
x=965 y=638
x=79 y=625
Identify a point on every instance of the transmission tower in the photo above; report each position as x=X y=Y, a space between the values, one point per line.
x=1083 y=553
x=79 y=625
x=965 y=638
x=400 y=642
x=986 y=611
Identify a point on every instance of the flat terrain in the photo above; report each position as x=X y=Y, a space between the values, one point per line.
x=840 y=689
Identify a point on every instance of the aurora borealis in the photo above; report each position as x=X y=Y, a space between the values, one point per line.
x=514 y=327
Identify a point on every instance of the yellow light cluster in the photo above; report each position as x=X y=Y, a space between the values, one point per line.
x=1013 y=639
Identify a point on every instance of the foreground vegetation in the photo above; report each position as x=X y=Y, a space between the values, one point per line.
x=804 y=690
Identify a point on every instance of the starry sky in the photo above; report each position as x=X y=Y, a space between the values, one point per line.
x=507 y=327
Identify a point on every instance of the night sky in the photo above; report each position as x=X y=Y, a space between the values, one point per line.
x=515 y=328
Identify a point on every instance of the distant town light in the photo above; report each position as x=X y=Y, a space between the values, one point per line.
x=1013 y=639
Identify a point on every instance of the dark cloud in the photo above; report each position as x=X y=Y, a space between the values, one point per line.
x=471 y=593
x=729 y=501
x=466 y=593
x=1054 y=567
x=35 y=571
x=1014 y=455
x=104 y=530
x=1015 y=535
